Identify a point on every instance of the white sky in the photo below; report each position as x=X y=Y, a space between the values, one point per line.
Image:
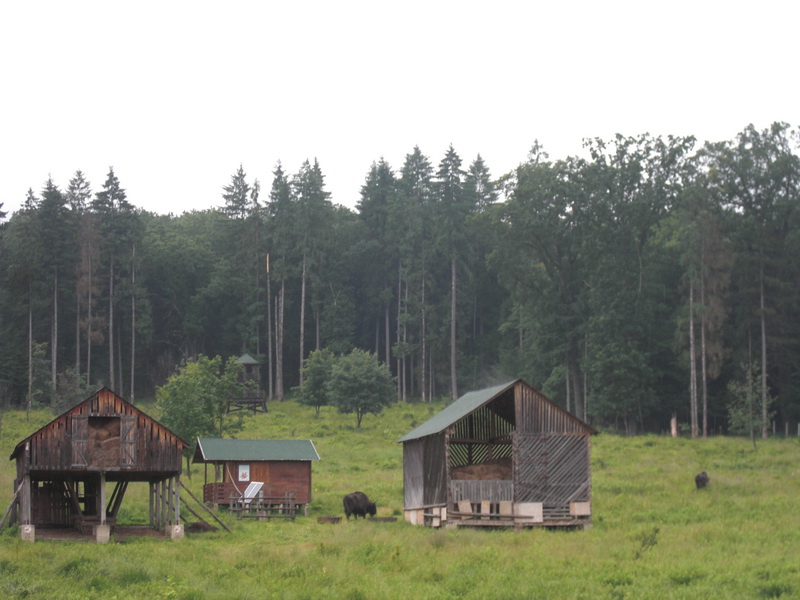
x=175 y=95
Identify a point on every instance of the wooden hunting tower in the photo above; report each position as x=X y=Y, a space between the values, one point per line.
x=62 y=468
x=250 y=395
x=505 y=455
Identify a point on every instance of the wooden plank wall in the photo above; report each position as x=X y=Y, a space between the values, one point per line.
x=278 y=477
x=536 y=414
x=435 y=469
x=413 y=473
x=150 y=447
x=291 y=476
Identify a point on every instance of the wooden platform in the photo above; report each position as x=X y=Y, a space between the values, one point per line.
x=518 y=525
x=119 y=533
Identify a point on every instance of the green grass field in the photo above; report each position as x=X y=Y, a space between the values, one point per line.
x=654 y=535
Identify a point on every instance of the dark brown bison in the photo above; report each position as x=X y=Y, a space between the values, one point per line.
x=359 y=505
x=701 y=480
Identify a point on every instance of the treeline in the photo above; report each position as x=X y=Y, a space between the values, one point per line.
x=656 y=277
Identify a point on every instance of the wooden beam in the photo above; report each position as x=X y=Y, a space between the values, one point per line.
x=116 y=498
x=73 y=497
x=188 y=491
x=10 y=504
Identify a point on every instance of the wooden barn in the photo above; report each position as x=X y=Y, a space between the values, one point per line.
x=63 y=469
x=283 y=467
x=502 y=456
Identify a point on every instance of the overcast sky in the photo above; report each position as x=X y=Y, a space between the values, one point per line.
x=175 y=95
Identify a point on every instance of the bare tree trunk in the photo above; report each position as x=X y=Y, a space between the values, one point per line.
x=764 y=415
x=692 y=364
x=577 y=398
x=54 y=333
x=279 y=341
x=586 y=379
x=567 y=380
x=424 y=339
x=133 y=324
x=399 y=321
x=118 y=337
x=30 y=349
x=703 y=359
x=386 y=334
x=302 y=318
x=111 y=381
x=317 y=313
x=405 y=348
x=77 y=331
x=453 y=373
x=89 y=332
x=269 y=334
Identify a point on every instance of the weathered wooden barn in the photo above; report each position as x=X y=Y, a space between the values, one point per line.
x=501 y=456
x=63 y=468
x=282 y=466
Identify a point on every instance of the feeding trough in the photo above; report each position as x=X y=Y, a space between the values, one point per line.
x=333 y=520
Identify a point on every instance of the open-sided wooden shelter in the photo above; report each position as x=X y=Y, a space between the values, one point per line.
x=282 y=466
x=63 y=468
x=505 y=455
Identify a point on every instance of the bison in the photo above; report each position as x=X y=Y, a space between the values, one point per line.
x=358 y=504
x=701 y=480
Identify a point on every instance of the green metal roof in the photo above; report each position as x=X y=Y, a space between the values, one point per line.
x=218 y=450
x=457 y=411
x=246 y=359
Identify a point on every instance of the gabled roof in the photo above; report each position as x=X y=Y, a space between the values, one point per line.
x=107 y=401
x=220 y=450
x=457 y=410
x=471 y=402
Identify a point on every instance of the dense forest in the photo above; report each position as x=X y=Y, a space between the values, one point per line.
x=653 y=277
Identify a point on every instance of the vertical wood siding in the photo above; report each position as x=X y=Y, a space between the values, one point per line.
x=65 y=444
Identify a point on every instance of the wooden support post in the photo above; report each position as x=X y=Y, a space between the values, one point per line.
x=102 y=506
x=177 y=500
x=25 y=509
x=170 y=500
x=152 y=504
x=164 y=504
x=156 y=504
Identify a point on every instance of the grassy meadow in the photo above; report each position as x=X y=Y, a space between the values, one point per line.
x=654 y=535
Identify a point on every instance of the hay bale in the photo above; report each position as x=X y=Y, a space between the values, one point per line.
x=497 y=469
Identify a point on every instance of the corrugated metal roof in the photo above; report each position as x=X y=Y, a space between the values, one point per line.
x=457 y=411
x=216 y=449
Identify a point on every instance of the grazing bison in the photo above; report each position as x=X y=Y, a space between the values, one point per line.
x=358 y=504
x=701 y=480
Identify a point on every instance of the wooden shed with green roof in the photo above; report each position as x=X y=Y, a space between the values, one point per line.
x=504 y=455
x=283 y=466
